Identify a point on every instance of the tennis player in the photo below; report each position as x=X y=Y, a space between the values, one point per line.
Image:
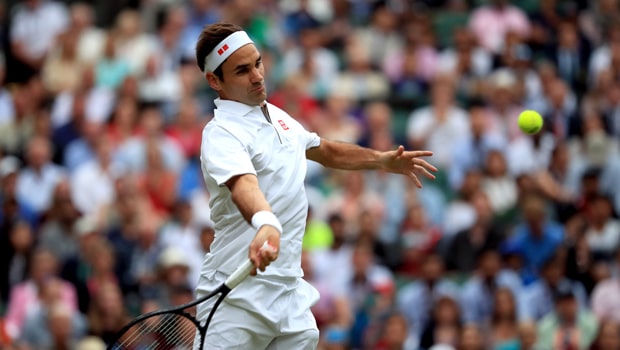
x=254 y=163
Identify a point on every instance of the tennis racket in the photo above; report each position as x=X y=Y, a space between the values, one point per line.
x=177 y=328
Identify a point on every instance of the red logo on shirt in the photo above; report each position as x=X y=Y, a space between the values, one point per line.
x=222 y=49
x=283 y=125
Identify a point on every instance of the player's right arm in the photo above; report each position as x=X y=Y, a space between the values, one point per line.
x=251 y=202
x=226 y=160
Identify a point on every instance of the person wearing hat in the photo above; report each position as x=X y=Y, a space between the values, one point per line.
x=254 y=158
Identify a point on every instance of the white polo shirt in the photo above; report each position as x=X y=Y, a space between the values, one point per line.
x=239 y=140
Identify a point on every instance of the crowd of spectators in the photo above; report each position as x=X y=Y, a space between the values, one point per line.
x=104 y=214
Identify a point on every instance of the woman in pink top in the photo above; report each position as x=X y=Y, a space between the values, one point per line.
x=25 y=296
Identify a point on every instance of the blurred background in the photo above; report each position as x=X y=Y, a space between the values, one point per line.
x=104 y=214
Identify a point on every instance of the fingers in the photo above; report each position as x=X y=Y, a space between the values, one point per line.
x=424 y=164
x=400 y=150
x=415 y=180
x=262 y=257
x=417 y=154
x=424 y=172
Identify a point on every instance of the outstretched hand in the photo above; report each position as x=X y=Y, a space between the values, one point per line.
x=409 y=163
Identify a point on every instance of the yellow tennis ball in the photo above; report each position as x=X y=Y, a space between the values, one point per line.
x=530 y=122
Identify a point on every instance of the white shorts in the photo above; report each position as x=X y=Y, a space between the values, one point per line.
x=261 y=313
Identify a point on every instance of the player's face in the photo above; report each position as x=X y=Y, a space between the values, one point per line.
x=243 y=74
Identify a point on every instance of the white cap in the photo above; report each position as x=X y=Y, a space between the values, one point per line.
x=172 y=256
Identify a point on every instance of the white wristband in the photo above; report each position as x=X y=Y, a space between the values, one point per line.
x=265 y=218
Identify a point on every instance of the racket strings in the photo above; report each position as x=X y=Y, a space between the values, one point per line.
x=165 y=332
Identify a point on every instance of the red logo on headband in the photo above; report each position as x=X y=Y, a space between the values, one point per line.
x=222 y=49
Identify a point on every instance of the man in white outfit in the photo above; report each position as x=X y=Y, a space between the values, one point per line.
x=254 y=163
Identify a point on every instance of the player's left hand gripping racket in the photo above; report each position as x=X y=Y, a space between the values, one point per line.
x=176 y=328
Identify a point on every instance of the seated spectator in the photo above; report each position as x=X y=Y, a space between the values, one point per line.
x=132 y=43
x=310 y=49
x=538 y=297
x=107 y=314
x=16 y=258
x=367 y=281
x=145 y=253
x=123 y=124
x=337 y=119
x=394 y=334
x=172 y=273
x=186 y=128
x=332 y=312
x=352 y=198
x=101 y=169
x=62 y=69
x=460 y=212
x=97 y=101
x=537 y=237
x=503 y=330
x=605 y=298
x=465 y=58
x=111 y=69
x=498 y=184
x=77 y=269
x=428 y=127
x=504 y=104
x=416 y=298
x=462 y=249
x=26 y=296
x=56 y=232
x=602 y=229
x=54 y=321
x=132 y=153
x=491 y=22
x=25 y=22
x=36 y=183
x=477 y=293
x=90 y=38
x=158 y=84
x=338 y=254
x=157 y=181
x=418 y=239
x=444 y=325
x=567 y=325
x=359 y=78
x=181 y=233
x=82 y=149
x=471 y=151
x=296 y=95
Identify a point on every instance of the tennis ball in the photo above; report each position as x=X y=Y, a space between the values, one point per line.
x=530 y=122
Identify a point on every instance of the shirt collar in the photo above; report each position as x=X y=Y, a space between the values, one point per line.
x=234 y=106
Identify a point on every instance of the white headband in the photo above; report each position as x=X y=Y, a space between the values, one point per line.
x=225 y=48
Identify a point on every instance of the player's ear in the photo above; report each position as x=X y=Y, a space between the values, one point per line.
x=213 y=80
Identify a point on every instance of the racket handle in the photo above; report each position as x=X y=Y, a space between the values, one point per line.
x=244 y=270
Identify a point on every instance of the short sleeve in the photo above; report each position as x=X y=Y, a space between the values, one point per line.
x=312 y=140
x=224 y=156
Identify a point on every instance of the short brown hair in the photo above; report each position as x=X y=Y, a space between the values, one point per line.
x=210 y=36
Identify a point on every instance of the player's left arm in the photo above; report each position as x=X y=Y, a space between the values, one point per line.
x=346 y=156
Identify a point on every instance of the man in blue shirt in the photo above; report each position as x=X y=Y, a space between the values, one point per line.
x=537 y=238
